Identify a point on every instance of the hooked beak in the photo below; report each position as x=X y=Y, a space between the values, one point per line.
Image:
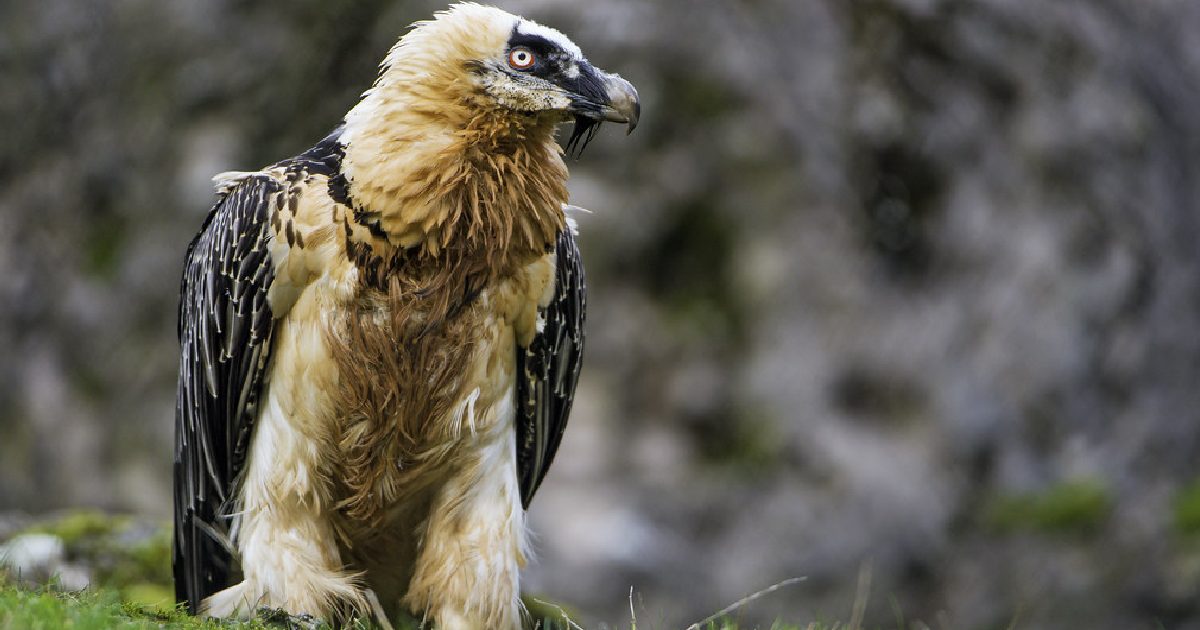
x=623 y=104
x=596 y=97
x=604 y=97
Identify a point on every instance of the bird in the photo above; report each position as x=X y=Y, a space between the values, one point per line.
x=380 y=339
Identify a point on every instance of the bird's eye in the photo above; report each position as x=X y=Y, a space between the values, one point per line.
x=521 y=58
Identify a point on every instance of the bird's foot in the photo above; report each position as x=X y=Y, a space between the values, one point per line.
x=307 y=603
x=280 y=618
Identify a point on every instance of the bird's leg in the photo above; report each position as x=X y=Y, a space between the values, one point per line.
x=285 y=536
x=466 y=575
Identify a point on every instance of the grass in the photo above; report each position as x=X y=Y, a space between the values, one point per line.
x=129 y=564
x=47 y=609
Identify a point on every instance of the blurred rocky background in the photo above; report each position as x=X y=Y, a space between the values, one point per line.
x=899 y=288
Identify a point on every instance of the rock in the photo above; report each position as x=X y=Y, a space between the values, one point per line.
x=42 y=558
x=33 y=554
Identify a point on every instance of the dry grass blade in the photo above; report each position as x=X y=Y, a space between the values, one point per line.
x=860 y=599
x=741 y=602
x=632 y=615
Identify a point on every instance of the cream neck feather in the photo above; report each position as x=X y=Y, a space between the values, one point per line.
x=437 y=164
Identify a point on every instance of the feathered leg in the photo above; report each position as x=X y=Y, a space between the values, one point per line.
x=284 y=534
x=466 y=577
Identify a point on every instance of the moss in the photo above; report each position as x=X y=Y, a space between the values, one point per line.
x=132 y=559
x=43 y=608
x=147 y=562
x=46 y=609
x=82 y=527
x=1186 y=510
x=148 y=594
x=1071 y=507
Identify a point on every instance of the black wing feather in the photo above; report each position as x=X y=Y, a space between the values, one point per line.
x=548 y=371
x=225 y=326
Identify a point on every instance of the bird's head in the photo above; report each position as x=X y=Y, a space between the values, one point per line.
x=473 y=58
x=530 y=68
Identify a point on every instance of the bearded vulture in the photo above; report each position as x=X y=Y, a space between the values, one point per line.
x=380 y=339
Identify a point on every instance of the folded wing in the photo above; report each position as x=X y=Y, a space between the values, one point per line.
x=225 y=326
x=548 y=370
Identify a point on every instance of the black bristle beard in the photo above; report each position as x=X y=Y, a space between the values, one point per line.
x=582 y=134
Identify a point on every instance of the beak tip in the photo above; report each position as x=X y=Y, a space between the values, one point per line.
x=623 y=98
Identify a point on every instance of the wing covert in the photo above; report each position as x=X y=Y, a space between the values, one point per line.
x=548 y=370
x=225 y=326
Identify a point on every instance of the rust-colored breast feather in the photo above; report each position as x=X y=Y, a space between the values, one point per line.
x=406 y=345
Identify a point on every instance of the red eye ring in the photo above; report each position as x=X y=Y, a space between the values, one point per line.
x=521 y=58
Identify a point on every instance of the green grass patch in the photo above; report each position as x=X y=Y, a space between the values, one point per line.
x=1072 y=507
x=47 y=609
x=1186 y=508
x=44 y=608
